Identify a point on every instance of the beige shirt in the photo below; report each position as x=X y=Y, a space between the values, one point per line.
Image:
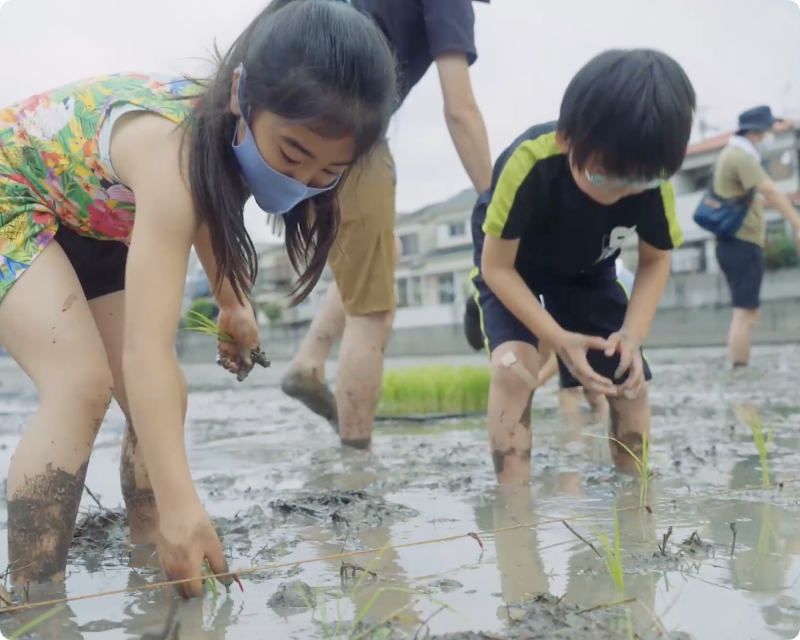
x=736 y=172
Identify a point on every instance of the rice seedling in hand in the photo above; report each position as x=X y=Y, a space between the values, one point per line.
x=201 y=324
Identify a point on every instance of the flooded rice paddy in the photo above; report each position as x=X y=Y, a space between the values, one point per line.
x=283 y=492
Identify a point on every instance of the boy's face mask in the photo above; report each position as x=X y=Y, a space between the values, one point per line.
x=274 y=192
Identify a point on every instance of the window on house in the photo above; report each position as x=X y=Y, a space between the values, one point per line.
x=409 y=244
x=415 y=292
x=447 y=288
x=456 y=229
x=402 y=292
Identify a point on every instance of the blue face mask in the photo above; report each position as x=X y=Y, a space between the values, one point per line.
x=274 y=192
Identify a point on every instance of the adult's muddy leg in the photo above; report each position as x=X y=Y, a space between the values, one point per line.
x=305 y=379
x=109 y=314
x=743 y=321
x=629 y=422
x=46 y=326
x=509 y=414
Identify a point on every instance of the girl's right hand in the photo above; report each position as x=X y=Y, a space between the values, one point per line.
x=186 y=537
x=572 y=349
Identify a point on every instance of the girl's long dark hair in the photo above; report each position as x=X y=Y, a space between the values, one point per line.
x=319 y=63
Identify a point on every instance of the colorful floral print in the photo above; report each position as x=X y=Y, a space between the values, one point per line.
x=50 y=167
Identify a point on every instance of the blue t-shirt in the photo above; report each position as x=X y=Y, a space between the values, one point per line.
x=420 y=30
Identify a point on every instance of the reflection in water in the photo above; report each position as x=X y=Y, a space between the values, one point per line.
x=385 y=595
x=522 y=570
x=261 y=448
x=767 y=543
x=60 y=625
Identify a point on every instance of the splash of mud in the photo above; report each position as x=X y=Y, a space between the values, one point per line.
x=353 y=508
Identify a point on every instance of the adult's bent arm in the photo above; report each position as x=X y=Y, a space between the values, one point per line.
x=464 y=119
x=781 y=203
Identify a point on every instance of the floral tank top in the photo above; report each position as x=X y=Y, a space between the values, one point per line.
x=51 y=167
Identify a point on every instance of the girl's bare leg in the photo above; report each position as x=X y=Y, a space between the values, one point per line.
x=140 y=503
x=46 y=325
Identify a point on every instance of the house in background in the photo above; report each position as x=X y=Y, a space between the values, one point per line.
x=432 y=280
x=433 y=277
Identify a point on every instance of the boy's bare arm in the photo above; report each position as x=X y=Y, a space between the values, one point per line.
x=648 y=286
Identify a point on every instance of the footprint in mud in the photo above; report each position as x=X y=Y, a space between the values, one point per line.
x=352 y=508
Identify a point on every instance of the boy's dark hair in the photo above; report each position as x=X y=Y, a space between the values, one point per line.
x=630 y=113
x=319 y=63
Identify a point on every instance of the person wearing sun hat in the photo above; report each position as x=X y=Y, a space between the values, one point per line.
x=737 y=173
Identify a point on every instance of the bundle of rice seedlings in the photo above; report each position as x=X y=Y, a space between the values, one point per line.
x=435 y=389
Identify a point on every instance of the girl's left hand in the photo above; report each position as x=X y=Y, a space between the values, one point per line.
x=239 y=322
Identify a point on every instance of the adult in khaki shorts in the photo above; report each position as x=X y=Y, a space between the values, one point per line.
x=737 y=172
x=361 y=302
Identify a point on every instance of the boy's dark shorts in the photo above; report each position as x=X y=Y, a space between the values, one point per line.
x=594 y=307
x=742 y=263
x=99 y=264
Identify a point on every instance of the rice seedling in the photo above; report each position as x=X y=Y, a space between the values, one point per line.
x=30 y=626
x=355 y=630
x=201 y=324
x=611 y=553
x=434 y=389
x=209 y=582
x=642 y=463
x=753 y=420
x=196 y=321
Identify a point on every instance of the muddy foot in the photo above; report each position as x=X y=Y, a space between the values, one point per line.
x=313 y=393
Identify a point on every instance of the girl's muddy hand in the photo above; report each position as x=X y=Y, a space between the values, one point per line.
x=239 y=323
x=186 y=538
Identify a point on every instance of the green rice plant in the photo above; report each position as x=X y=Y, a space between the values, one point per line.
x=631 y=635
x=209 y=582
x=196 y=321
x=336 y=631
x=434 y=389
x=762 y=441
x=30 y=626
x=611 y=553
x=642 y=463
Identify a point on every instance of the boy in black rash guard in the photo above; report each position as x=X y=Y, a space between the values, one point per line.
x=564 y=198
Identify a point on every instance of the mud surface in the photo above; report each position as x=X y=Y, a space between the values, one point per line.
x=281 y=491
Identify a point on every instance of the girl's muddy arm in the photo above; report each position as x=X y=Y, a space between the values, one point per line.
x=235 y=318
x=163 y=233
x=223 y=293
x=147 y=157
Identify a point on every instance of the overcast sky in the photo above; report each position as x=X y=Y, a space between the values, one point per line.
x=738 y=53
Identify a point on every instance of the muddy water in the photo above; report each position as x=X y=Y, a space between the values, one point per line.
x=282 y=491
